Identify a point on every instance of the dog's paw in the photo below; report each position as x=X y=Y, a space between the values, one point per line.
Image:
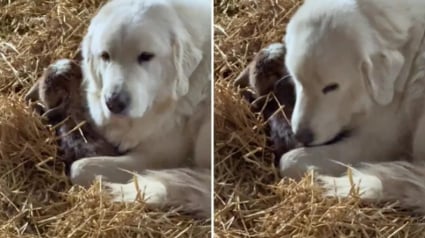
x=368 y=186
x=81 y=173
x=296 y=163
x=85 y=171
x=150 y=190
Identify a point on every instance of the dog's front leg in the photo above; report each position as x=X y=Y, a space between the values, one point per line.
x=84 y=171
x=112 y=168
x=329 y=160
x=186 y=188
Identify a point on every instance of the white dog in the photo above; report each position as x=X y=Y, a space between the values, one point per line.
x=359 y=74
x=147 y=66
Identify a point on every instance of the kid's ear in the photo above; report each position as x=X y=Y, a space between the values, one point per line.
x=242 y=80
x=33 y=93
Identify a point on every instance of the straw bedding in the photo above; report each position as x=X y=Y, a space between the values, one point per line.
x=250 y=199
x=36 y=198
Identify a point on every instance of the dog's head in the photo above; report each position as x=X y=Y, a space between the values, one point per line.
x=137 y=57
x=340 y=70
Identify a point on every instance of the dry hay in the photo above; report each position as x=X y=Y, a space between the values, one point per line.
x=36 y=198
x=250 y=199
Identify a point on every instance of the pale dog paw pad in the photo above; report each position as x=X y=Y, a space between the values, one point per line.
x=152 y=191
x=368 y=186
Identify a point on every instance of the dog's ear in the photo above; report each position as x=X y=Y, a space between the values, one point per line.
x=187 y=57
x=380 y=71
x=91 y=72
x=85 y=46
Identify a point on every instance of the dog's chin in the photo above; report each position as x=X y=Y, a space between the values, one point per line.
x=134 y=115
x=135 y=112
x=125 y=116
x=119 y=117
x=340 y=136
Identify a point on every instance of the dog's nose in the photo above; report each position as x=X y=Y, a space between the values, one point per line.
x=118 y=102
x=305 y=136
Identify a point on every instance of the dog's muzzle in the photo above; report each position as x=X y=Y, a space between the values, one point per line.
x=118 y=102
x=339 y=137
x=304 y=136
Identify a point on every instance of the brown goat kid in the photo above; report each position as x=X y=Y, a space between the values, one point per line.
x=266 y=74
x=59 y=92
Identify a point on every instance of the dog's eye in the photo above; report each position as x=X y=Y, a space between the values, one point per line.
x=144 y=57
x=331 y=87
x=105 y=56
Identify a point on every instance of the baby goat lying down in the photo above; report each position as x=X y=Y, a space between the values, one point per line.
x=59 y=92
x=267 y=76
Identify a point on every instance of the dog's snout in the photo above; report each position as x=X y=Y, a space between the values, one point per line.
x=118 y=102
x=305 y=136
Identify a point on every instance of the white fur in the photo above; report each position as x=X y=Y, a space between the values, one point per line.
x=164 y=94
x=369 y=186
x=62 y=66
x=275 y=50
x=153 y=191
x=375 y=51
